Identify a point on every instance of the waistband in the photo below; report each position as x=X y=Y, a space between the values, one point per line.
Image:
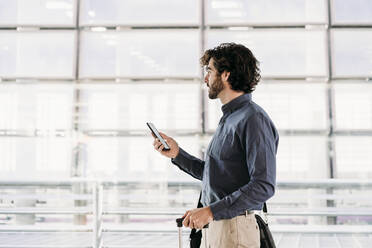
x=247 y=212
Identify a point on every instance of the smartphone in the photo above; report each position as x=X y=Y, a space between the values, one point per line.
x=157 y=135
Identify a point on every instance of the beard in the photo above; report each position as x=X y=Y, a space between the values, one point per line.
x=215 y=88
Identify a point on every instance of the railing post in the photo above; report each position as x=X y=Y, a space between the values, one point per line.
x=97 y=212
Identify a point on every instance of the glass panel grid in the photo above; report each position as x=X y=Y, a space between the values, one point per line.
x=285 y=47
x=158 y=52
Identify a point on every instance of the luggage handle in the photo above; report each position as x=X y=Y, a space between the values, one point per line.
x=180 y=220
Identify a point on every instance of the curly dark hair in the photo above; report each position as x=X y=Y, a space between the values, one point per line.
x=239 y=61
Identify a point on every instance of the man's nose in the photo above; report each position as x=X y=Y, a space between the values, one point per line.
x=206 y=79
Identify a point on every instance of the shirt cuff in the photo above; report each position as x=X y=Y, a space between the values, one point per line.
x=180 y=158
x=219 y=210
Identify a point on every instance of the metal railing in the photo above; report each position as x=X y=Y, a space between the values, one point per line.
x=97 y=210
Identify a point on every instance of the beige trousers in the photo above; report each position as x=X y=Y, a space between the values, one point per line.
x=239 y=232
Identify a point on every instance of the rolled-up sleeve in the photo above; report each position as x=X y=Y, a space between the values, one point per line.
x=260 y=140
x=189 y=164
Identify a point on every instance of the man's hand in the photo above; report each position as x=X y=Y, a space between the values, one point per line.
x=197 y=218
x=174 y=149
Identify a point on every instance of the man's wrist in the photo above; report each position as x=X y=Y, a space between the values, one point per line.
x=211 y=218
x=178 y=152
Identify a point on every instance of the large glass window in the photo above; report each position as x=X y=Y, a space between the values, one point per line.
x=80 y=78
x=118 y=69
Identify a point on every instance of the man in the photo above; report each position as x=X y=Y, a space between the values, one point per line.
x=239 y=171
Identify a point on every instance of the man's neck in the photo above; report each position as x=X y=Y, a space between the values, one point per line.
x=227 y=95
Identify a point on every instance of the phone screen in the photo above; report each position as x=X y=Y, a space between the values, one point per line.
x=157 y=135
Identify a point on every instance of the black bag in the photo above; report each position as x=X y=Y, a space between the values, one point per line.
x=196 y=235
x=266 y=238
x=195 y=238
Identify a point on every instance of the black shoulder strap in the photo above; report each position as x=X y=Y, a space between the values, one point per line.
x=264 y=208
x=200 y=205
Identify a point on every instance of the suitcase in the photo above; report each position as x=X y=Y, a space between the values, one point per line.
x=179 y=225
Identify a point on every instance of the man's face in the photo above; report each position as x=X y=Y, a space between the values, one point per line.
x=213 y=80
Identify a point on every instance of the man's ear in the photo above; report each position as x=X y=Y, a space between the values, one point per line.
x=225 y=75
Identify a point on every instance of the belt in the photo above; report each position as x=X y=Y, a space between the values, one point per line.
x=247 y=212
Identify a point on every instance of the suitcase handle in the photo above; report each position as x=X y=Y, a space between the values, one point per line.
x=180 y=220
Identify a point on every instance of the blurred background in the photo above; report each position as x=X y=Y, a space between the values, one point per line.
x=80 y=78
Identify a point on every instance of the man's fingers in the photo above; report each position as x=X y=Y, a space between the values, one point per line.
x=156 y=143
x=186 y=221
x=192 y=224
x=153 y=135
x=195 y=224
x=191 y=220
x=161 y=147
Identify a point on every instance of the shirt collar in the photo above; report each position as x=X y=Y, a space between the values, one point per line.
x=236 y=103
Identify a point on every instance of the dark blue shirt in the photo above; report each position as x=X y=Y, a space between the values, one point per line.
x=239 y=170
